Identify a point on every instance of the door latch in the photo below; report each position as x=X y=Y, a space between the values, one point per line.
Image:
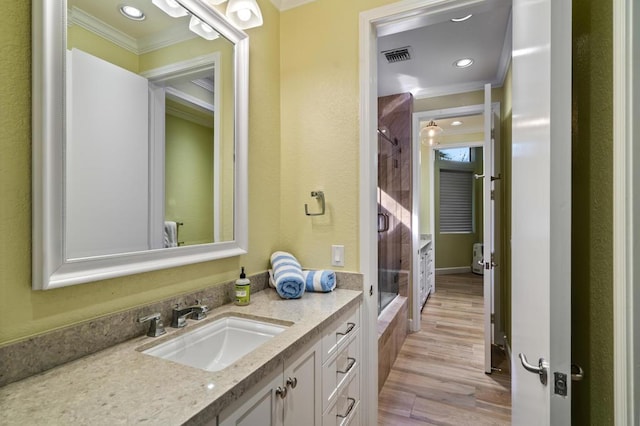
x=560 y=383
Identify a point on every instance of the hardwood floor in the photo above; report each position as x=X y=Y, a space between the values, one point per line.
x=438 y=377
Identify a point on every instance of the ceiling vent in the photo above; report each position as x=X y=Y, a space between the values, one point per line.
x=397 y=55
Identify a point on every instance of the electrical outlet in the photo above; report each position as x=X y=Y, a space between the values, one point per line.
x=337 y=255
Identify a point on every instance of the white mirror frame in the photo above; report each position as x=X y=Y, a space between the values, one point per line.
x=50 y=269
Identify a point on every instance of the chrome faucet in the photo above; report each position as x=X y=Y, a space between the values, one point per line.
x=179 y=315
x=156 y=327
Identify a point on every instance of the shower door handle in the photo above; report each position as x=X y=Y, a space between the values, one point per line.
x=385 y=222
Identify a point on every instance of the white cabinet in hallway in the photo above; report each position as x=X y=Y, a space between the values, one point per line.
x=426 y=279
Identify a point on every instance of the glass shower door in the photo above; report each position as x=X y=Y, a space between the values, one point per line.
x=389 y=231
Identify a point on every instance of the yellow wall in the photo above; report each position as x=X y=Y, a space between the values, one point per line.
x=189 y=179
x=320 y=128
x=25 y=312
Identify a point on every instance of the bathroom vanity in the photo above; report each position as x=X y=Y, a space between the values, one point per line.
x=309 y=371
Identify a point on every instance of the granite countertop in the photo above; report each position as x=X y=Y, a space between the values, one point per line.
x=121 y=385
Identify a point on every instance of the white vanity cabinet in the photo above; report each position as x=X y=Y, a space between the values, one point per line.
x=320 y=385
x=426 y=280
x=341 y=359
x=289 y=396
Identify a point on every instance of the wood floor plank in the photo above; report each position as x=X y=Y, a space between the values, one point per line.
x=438 y=377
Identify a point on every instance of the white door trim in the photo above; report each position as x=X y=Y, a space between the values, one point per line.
x=623 y=229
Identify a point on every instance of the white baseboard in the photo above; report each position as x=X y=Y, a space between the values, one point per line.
x=455 y=270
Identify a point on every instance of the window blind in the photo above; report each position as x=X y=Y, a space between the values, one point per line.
x=456 y=201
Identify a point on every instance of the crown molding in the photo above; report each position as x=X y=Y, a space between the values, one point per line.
x=283 y=5
x=82 y=19
x=138 y=46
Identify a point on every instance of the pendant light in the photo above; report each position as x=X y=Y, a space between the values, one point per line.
x=429 y=132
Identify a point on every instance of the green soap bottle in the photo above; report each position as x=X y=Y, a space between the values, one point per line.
x=243 y=289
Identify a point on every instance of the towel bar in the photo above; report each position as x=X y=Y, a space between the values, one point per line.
x=318 y=195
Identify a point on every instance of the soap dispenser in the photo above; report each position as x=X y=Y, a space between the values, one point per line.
x=243 y=289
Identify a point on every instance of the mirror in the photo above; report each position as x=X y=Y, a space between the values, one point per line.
x=140 y=138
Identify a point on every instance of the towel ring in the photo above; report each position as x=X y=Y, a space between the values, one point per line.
x=318 y=195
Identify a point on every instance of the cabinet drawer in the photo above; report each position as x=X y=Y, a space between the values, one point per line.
x=340 y=369
x=340 y=331
x=345 y=410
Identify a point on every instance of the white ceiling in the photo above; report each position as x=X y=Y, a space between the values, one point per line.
x=435 y=42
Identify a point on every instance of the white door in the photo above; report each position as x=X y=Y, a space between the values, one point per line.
x=107 y=176
x=488 y=228
x=541 y=209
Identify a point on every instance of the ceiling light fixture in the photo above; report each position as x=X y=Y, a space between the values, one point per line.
x=456 y=123
x=244 y=13
x=170 y=7
x=431 y=130
x=202 y=29
x=132 y=12
x=462 y=18
x=463 y=63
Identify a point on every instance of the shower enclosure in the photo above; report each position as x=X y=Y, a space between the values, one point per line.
x=388 y=247
x=394 y=196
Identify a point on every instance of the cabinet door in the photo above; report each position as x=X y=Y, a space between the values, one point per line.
x=302 y=377
x=262 y=407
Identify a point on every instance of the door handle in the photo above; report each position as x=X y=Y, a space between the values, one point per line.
x=542 y=369
x=577 y=373
x=385 y=222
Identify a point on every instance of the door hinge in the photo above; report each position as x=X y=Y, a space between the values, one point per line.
x=493 y=133
x=371 y=291
x=493 y=318
x=493 y=194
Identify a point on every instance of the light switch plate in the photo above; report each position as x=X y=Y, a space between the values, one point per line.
x=337 y=255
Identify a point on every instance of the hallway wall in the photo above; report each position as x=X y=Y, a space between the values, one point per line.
x=592 y=218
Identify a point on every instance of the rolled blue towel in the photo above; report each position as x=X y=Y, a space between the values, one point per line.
x=323 y=280
x=287 y=275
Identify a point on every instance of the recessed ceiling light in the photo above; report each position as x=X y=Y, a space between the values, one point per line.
x=463 y=63
x=456 y=123
x=132 y=12
x=462 y=18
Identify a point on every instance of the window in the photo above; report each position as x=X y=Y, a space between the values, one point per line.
x=460 y=155
x=456 y=201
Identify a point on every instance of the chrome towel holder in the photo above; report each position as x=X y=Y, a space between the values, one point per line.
x=319 y=195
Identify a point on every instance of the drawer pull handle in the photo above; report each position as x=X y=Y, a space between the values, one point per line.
x=292 y=382
x=352 y=403
x=350 y=326
x=281 y=392
x=352 y=362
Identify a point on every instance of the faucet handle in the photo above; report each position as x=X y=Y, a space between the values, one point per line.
x=156 y=327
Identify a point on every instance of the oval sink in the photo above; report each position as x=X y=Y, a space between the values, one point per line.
x=214 y=346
